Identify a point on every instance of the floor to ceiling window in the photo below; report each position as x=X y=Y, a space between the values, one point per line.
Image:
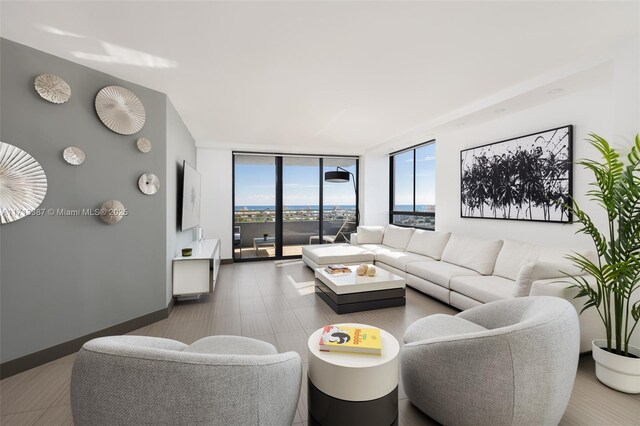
x=413 y=192
x=282 y=203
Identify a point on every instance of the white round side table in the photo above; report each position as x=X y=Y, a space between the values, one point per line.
x=353 y=389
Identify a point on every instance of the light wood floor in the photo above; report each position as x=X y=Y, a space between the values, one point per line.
x=274 y=301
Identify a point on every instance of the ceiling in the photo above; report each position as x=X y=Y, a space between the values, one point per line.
x=341 y=77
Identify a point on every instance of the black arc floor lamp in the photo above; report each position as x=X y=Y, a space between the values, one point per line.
x=341 y=175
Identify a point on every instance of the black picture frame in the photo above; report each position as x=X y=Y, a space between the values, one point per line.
x=526 y=178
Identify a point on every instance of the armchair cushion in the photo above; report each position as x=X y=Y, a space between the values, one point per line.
x=437 y=326
x=235 y=345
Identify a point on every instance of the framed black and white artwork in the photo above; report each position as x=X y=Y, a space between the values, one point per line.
x=524 y=178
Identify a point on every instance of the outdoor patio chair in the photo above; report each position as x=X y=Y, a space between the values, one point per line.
x=333 y=238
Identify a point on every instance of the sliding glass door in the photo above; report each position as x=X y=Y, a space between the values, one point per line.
x=282 y=203
x=254 y=210
x=300 y=204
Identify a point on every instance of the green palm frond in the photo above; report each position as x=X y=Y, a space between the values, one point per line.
x=616 y=189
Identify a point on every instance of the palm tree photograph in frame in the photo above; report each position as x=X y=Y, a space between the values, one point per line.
x=524 y=178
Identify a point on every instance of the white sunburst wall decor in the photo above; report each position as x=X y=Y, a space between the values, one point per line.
x=23 y=183
x=52 y=88
x=120 y=110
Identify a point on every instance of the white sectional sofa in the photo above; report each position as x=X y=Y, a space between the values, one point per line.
x=462 y=271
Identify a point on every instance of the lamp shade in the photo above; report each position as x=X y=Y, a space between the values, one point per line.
x=336 y=176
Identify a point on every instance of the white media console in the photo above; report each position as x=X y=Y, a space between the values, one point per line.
x=196 y=274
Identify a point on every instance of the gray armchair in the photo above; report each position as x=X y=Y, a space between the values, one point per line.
x=218 y=380
x=510 y=362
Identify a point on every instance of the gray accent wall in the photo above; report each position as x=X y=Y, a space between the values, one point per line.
x=62 y=277
x=180 y=146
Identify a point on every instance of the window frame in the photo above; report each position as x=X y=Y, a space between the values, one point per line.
x=413 y=212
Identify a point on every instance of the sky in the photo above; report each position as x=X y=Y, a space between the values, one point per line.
x=255 y=184
x=425 y=176
x=255 y=181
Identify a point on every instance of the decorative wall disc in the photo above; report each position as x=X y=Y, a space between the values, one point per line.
x=52 y=88
x=149 y=183
x=23 y=183
x=144 y=145
x=73 y=155
x=120 y=110
x=112 y=212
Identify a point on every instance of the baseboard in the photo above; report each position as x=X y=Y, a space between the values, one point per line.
x=226 y=261
x=27 y=362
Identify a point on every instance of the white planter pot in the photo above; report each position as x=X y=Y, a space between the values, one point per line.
x=618 y=372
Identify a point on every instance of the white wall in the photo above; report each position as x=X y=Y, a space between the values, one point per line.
x=216 y=214
x=609 y=109
x=588 y=111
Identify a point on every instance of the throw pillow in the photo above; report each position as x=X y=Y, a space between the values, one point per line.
x=524 y=279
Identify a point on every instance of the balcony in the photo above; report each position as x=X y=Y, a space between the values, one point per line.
x=296 y=234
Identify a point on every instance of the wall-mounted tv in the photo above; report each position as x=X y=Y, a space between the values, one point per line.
x=190 y=197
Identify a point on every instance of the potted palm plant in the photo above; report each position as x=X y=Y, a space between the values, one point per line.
x=616 y=273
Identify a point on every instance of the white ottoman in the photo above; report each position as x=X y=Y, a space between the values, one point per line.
x=353 y=389
x=319 y=255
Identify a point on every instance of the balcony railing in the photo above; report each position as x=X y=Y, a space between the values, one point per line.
x=295 y=234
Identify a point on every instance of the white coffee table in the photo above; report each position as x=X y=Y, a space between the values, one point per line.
x=353 y=389
x=349 y=292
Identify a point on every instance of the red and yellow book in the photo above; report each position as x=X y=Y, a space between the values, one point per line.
x=337 y=338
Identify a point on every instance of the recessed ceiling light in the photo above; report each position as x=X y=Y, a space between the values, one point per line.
x=500 y=110
x=554 y=91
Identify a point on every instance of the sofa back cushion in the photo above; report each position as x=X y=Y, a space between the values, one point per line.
x=471 y=253
x=397 y=237
x=370 y=234
x=513 y=255
x=428 y=243
x=543 y=270
x=558 y=255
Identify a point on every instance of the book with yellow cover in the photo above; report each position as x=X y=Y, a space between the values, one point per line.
x=350 y=339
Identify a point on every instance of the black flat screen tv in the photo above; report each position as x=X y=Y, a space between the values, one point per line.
x=190 y=197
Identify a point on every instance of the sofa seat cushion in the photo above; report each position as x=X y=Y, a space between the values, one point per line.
x=397 y=236
x=400 y=259
x=439 y=325
x=438 y=272
x=328 y=254
x=472 y=253
x=231 y=345
x=428 y=243
x=378 y=248
x=484 y=289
